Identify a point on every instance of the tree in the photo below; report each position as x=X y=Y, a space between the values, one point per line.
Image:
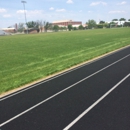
x=32 y=24
x=128 y=19
x=81 y=27
x=70 y=27
x=112 y=24
x=122 y=19
x=127 y=24
x=64 y=28
x=115 y=20
x=40 y=24
x=47 y=25
x=91 y=24
x=74 y=28
x=20 y=27
x=56 y=28
x=101 y=22
x=61 y=28
x=106 y=25
x=99 y=25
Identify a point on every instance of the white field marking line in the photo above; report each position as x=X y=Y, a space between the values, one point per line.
x=59 y=92
x=94 y=104
x=32 y=86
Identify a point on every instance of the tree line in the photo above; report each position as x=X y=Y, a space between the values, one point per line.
x=40 y=25
x=114 y=23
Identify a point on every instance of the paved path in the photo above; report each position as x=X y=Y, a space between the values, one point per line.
x=94 y=96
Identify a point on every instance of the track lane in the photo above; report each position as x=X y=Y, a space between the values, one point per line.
x=112 y=113
x=24 y=100
x=27 y=99
x=119 y=71
x=94 y=104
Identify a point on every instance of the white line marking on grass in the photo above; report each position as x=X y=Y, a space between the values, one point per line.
x=60 y=92
x=32 y=86
x=94 y=104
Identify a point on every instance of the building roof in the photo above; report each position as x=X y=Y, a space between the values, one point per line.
x=8 y=28
x=62 y=21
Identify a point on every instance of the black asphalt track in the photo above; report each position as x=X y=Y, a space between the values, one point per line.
x=112 y=113
x=58 y=112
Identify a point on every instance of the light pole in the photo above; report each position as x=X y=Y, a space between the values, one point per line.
x=25 y=14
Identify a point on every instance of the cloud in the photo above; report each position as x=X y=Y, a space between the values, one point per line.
x=69 y=2
x=20 y=11
x=51 y=8
x=60 y=10
x=35 y=12
x=117 y=12
x=31 y=12
x=98 y=3
x=2 y=10
x=7 y=16
x=122 y=3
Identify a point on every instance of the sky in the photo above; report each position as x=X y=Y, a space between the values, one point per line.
x=12 y=11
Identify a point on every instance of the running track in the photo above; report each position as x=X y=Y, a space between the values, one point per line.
x=94 y=96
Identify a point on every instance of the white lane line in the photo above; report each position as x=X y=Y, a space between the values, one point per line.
x=94 y=104
x=32 y=86
x=11 y=119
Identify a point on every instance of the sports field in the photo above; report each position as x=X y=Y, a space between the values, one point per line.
x=26 y=58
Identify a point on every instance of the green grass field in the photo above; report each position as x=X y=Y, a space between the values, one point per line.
x=25 y=58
